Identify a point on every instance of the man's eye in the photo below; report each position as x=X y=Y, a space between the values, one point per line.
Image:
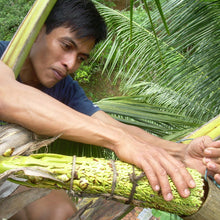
x=66 y=46
x=81 y=59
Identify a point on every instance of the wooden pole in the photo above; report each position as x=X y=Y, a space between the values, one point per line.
x=210 y=209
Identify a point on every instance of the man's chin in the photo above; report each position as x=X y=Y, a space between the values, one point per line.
x=49 y=84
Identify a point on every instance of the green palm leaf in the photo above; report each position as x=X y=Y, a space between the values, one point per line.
x=152 y=118
x=188 y=77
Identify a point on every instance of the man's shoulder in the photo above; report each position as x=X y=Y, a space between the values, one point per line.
x=63 y=88
x=68 y=81
x=3 y=46
x=4 y=43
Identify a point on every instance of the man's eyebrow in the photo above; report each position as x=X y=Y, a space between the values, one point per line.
x=74 y=44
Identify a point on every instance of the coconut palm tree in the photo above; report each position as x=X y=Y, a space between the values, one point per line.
x=168 y=90
x=183 y=74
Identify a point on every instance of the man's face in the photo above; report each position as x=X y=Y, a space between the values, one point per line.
x=55 y=55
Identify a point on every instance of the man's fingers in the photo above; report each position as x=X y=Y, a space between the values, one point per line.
x=214 y=167
x=213 y=144
x=176 y=170
x=180 y=177
x=180 y=169
x=212 y=152
x=151 y=176
x=217 y=178
x=211 y=162
x=212 y=149
x=165 y=184
x=157 y=177
x=212 y=159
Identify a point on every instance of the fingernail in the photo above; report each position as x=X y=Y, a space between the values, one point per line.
x=217 y=177
x=207 y=151
x=157 y=188
x=186 y=192
x=192 y=183
x=211 y=166
x=206 y=160
x=169 y=196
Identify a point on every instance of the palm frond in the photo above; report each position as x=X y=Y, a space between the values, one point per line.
x=188 y=76
x=66 y=147
x=164 y=96
x=152 y=118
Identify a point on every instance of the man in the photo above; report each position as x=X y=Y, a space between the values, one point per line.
x=47 y=101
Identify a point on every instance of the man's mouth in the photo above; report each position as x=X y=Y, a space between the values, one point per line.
x=58 y=74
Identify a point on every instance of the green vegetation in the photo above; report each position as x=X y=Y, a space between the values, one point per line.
x=11 y=15
x=183 y=75
x=83 y=74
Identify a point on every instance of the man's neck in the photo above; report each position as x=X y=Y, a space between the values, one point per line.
x=28 y=76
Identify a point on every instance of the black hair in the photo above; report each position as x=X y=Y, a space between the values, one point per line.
x=78 y=15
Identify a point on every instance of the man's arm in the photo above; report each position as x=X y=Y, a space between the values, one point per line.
x=32 y=109
x=200 y=154
x=177 y=150
x=35 y=110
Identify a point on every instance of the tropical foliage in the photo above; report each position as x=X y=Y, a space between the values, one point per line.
x=181 y=76
x=168 y=91
x=11 y=15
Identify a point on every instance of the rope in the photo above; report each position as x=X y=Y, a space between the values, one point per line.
x=182 y=140
x=114 y=180
x=134 y=179
x=211 y=177
x=71 y=192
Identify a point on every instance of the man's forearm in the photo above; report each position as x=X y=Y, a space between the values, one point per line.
x=175 y=149
x=31 y=108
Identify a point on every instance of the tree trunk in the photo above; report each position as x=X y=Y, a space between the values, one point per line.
x=210 y=208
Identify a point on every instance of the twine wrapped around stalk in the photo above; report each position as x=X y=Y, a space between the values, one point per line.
x=98 y=177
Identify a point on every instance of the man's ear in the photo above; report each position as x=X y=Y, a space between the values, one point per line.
x=41 y=33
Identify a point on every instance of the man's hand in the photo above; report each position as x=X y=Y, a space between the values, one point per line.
x=212 y=159
x=138 y=147
x=157 y=164
x=203 y=153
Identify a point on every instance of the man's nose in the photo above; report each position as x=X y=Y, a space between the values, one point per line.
x=70 y=63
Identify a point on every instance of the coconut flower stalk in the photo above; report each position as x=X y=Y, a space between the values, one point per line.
x=100 y=177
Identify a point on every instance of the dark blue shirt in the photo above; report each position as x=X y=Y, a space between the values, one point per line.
x=68 y=91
